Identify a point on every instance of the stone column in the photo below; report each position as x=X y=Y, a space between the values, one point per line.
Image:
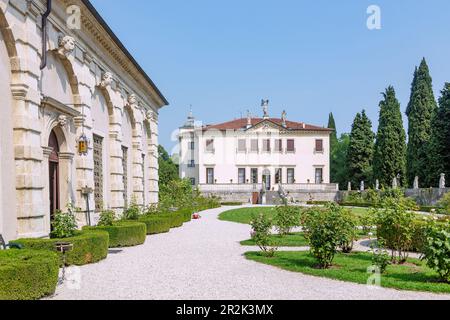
x=137 y=172
x=31 y=211
x=153 y=159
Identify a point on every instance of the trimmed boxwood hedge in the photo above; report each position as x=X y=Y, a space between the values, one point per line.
x=156 y=224
x=187 y=214
x=176 y=218
x=124 y=233
x=28 y=274
x=88 y=246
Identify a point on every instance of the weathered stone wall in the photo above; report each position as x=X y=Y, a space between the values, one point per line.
x=244 y=197
x=427 y=197
x=88 y=85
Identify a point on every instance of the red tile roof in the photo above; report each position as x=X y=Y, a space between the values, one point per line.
x=241 y=124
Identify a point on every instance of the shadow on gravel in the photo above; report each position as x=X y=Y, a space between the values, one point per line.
x=115 y=251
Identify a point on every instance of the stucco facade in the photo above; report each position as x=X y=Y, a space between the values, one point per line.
x=90 y=86
x=247 y=154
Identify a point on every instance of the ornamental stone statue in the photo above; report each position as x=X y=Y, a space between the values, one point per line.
x=107 y=80
x=416 y=183
x=265 y=105
x=66 y=45
x=132 y=99
x=442 y=181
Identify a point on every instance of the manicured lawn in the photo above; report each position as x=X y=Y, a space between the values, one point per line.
x=291 y=240
x=245 y=215
x=414 y=276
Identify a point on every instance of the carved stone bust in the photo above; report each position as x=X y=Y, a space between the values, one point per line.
x=62 y=120
x=66 y=45
x=107 y=79
x=132 y=99
x=149 y=115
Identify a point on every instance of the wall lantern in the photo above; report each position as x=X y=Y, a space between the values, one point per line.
x=83 y=145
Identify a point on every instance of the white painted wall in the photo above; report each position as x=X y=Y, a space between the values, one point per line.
x=226 y=160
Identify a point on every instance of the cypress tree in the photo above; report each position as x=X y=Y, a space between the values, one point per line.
x=439 y=151
x=340 y=161
x=333 y=146
x=420 y=111
x=334 y=135
x=390 y=147
x=360 y=150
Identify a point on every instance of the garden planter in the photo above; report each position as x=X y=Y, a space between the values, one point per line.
x=88 y=246
x=28 y=274
x=124 y=233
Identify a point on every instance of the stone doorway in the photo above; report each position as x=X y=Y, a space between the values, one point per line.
x=267 y=180
x=53 y=165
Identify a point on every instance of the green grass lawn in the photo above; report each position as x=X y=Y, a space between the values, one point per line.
x=291 y=240
x=244 y=215
x=414 y=275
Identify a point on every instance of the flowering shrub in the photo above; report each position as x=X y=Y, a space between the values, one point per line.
x=286 y=218
x=437 y=249
x=107 y=218
x=326 y=230
x=133 y=212
x=380 y=256
x=347 y=230
x=444 y=204
x=261 y=234
x=64 y=224
x=395 y=227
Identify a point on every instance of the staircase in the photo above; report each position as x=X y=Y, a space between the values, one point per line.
x=273 y=198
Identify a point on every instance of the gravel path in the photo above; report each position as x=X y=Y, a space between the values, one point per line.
x=203 y=260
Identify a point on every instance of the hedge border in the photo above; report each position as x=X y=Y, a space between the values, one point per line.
x=88 y=246
x=156 y=224
x=28 y=274
x=123 y=233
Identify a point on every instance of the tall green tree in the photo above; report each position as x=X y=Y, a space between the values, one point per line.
x=168 y=170
x=334 y=134
x=360 y=150
x=439 y=151
x=340 y=168
x=420 y=111
x=333 y=145
x=390 y=147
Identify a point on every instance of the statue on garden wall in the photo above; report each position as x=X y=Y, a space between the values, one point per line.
x=416 y=183
x=442 y=181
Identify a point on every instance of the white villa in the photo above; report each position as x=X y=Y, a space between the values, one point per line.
x=240 y=158
x=79 y=117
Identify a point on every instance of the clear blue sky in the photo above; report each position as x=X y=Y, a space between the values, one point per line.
x=308 y=57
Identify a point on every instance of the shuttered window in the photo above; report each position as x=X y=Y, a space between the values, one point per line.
x=319 y=145
x=290 y=145
x=125 y=175
x=98 y=173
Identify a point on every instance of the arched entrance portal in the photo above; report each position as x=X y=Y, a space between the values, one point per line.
x=53 y=165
